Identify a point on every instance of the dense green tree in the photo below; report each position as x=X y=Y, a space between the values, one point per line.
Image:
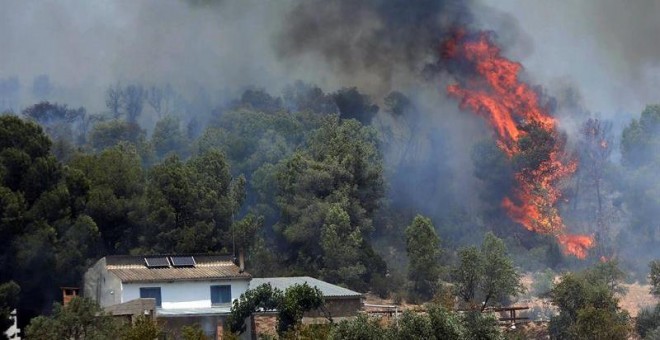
x=193 y=332
x=190 y=206
x=438 y=323
x=144 y=327
x=263 y=297
x=494 y=169
x=290 y=305
x=254 y=144
x=486 y=276
x=111 y=133
x=467 y=274
x=361 y=327
x=60 y=123
x=446 y=324
x=259 y=100
x=411 y=326
x=479 y=326
x=42 y=215
x=297 y=300
x=115 y=203
x=341 y=246
x=609 y=274
x=397 y=103
x=81 y=319
x=640 y=138
x=654 y=277
x=586 y=311
x=168 y=137
x=500 y=279
x=648 y=320
x=301 y=96
x=340 y=165
x=639 y=189
x=423 y=246
x=354 y=105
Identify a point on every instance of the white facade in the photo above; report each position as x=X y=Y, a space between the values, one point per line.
x=184 y=294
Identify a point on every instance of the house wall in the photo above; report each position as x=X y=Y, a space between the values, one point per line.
x=338 y=307
x=191 y=294
x=101 y=285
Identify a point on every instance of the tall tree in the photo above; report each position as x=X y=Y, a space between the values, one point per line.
x=340 y=165
x=341 y=247
x=354 y=105
x=133 y=97
x=116 y=190
x=595 y=148
x=42 y=216
x=486 y=276
x=113 y=100
x=586 y=311
x=169 y=138
x=190 y=205
x=290 y=305
x=423 y=246
x=81 y=319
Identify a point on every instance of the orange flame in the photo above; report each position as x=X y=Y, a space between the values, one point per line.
x=496 y=93
x=576 y=244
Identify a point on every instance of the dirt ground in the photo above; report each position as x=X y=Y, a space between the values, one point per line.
x=636 y=298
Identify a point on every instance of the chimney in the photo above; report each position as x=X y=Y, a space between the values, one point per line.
x=68 y=293
x=241 y=260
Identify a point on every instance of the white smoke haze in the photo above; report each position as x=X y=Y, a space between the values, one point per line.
x=597 y=56
x=609 y=50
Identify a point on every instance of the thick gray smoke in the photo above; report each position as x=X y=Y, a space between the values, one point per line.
x=388 y=40
x=71 y=51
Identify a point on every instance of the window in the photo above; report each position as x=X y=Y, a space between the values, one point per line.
x=151 y=292
x=220 y=295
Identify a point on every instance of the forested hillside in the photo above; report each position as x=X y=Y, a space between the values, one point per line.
x=299 y=182
x=441 y=154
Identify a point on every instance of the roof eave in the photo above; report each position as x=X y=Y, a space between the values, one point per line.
x=224 y=278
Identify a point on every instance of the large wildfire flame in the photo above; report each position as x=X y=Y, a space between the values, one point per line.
x=512 y=108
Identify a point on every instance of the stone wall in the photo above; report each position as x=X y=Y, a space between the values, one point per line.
x=338 y=307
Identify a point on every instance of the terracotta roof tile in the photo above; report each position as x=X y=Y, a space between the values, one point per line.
x=132 y=269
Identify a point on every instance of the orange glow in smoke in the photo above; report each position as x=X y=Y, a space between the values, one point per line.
x=495 y=93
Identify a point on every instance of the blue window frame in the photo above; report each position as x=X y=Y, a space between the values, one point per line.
x=220 y=295
x=151 y=292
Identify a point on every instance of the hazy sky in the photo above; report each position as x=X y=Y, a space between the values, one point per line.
x=609 y=50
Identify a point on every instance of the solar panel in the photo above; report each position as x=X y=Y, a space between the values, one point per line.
x=182 y=261
x=157 y=262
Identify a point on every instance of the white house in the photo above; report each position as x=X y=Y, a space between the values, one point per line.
x=187 y=289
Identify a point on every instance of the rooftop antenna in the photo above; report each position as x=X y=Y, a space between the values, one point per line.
x=233 y=238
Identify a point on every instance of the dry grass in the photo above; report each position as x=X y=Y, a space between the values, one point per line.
x=636 y=298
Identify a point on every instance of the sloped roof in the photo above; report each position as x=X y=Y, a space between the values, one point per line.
x=131 y=269
x=282 y=283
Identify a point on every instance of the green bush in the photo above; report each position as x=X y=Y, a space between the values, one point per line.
x=647 y=320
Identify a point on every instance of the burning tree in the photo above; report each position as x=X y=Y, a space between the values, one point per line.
x=525 y=132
